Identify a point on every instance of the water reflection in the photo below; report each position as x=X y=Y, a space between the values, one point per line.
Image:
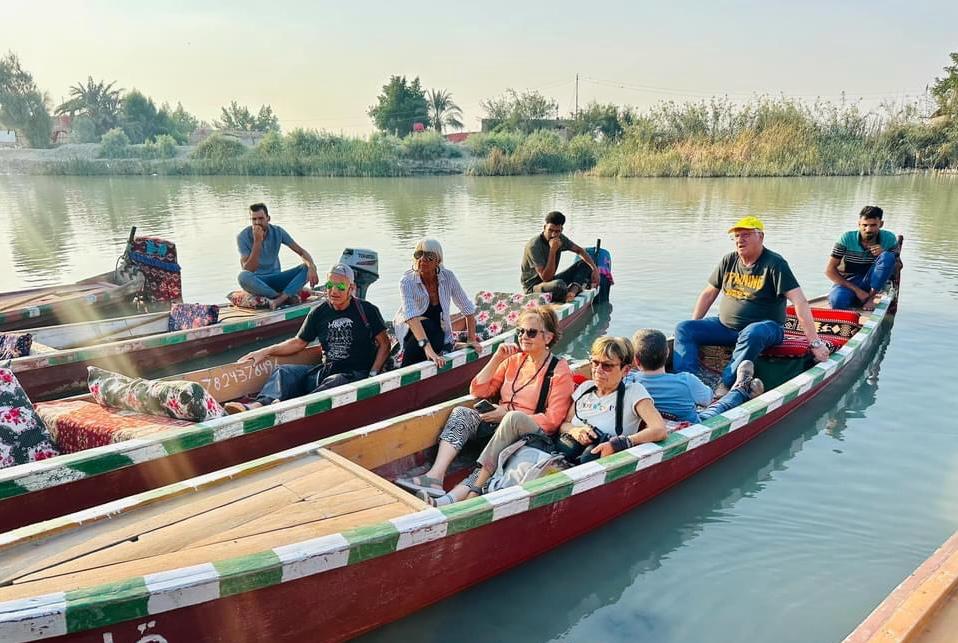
x=580 y=587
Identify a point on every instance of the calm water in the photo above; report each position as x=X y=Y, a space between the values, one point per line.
x=795 y=537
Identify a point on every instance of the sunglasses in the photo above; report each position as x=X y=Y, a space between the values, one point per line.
x=605 y=367
x=341 y=286
x=428 y=256
x=531 y=333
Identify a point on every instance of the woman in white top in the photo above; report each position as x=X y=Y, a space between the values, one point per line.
x=594 y=404
x=423 y=322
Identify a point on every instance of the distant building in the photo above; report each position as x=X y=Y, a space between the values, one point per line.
x=8 y=138
x=249 y=139
x=459 y=137
x=62 y=125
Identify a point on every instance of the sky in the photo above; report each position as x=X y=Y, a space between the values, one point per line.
x=321 y=64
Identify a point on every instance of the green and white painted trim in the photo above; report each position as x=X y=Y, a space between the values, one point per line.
x=158 y=340
x=22 y=479
x=76 y=611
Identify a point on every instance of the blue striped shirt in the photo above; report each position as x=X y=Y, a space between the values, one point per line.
x=415 y=301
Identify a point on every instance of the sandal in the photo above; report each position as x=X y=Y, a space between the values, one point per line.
x=441 y=501
x=421 y=484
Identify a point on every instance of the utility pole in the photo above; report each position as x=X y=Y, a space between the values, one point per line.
x=577 y=95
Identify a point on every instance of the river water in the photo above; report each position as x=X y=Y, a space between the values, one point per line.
x=794 y=537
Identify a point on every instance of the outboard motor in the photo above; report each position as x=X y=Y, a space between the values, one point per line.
x=365 y=265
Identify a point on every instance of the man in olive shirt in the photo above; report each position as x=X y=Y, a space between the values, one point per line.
x=755 y=283
x=540 y=260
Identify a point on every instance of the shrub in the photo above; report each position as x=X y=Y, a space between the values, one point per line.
x=217 y=147
x=115 y=144
x=82 y=130
x=425 y=146
x=482 y=144
x=305 y=143
x=271 y=145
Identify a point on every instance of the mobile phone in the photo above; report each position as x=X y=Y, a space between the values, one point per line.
x=484 y=406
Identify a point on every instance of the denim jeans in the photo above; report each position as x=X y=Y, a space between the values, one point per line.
x=748 y=342
x=579 y=273
x=289 y=281
x=294 y=380
x=728 y=401
x=842 y=298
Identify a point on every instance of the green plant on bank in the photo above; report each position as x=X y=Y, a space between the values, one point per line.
x=218 y=148
x=115 y=144
x=23 y=107
x=542 y=152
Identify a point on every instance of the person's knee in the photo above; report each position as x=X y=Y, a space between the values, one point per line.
x=839 y=297
x=246 y=278
x=759 y=331
x=683 y=329
x=332 y=382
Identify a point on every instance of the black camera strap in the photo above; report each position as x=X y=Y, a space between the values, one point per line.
x=546 y=384
x=619 y=406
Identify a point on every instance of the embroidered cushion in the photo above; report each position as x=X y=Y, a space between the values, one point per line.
x=183 y=316
x=80 y=424
x=23 y=435
x=499 y=311
x=13 y=345
x=156 y=259
x=835 y=327
x=243 y=299
x=179 y=399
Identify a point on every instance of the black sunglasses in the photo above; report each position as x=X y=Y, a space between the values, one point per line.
x=531 y=333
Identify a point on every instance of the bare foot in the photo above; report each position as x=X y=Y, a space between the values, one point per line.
x=279 y=301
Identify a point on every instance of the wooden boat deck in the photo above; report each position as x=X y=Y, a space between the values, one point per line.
x=322 y=493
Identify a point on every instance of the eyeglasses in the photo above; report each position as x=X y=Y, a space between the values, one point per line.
x=741 y=234
x=340 y=286
x=427 y=256
x=531 y=333
x=604 y=366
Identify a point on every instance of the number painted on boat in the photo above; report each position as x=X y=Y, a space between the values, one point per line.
x=239 y=375
x=144 y=637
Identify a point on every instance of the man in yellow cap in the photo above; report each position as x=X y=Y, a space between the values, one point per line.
x=755 y=283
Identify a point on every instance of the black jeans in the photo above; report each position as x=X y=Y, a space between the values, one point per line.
x=412 y=353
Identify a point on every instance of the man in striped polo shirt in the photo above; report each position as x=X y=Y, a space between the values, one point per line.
x=862 y=262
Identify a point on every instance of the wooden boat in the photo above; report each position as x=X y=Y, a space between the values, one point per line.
x=92 y=298
x=47 y=488
x=922 y=609
x=319 y=532
x=139 y=344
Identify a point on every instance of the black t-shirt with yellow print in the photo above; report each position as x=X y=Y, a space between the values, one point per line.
x=754 y=293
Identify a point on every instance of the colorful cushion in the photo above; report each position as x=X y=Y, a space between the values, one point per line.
x=179 y=399
x=243 y=299
x=23 y=435
x=499 y=311
x=156 y=259
x=183 y=316
x=13 y=345
x=80 y=424
x=836 y=327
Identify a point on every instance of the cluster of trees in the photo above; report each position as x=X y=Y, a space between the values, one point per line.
x=403 y=104
x=23 y=107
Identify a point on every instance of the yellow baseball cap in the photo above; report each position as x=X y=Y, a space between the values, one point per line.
x=748 y=223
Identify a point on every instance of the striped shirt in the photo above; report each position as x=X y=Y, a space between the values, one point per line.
x=415 y=301
x=854 y=259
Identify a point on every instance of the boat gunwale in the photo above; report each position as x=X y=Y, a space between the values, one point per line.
x=102 y=296
x=107 y=604
x=34 y=476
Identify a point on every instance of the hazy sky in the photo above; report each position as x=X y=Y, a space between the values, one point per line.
x=321 y=64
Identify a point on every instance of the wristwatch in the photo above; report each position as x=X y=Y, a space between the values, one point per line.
x=817 y=343
x=422 y=343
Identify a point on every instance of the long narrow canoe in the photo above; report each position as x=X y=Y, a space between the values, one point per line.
x=922 y=609
x=139 y=344
x=92 y=298
x=315 y=543
x=56 y=486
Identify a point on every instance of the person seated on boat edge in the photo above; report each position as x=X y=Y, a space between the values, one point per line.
x=755 y=282
x=862 y=262
x=594 y=419
x=540 y=262
x=353 y=338
x=534 y=389
x=677 y=395
x=262 y=274
x=423 y=323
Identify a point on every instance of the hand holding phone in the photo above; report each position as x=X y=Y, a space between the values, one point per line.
x=484 y=406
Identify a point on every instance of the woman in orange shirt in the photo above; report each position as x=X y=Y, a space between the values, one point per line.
x=515 y=375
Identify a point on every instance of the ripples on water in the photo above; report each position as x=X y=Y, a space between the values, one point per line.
x=794 y=537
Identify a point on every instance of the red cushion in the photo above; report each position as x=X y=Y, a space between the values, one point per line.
x=836 y=327
x=578 y=378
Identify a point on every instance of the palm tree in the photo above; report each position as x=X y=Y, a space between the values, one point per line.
x=98 y=101
x=443 y=111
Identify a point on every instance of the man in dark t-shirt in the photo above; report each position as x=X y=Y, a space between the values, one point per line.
x=755 y=283
x=540 y=262
x=353 y=338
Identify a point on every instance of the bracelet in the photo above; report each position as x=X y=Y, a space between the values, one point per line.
x=620 y=443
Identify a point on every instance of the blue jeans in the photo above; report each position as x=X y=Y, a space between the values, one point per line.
x=728 y=401
x=289 y=281
x=842 y=298
x=294 y=380
x=748 y=342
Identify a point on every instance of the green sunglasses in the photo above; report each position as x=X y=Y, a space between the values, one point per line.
x=341 y=286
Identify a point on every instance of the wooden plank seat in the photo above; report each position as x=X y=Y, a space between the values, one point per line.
x=322 y=493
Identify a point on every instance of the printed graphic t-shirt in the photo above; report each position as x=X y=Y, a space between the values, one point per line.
x=269 y=253
x=854 y=259
x=535 y=254
x=755 y=293
x=347 y=343
x=599 y=411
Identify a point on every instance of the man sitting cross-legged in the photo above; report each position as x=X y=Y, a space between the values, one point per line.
x=676 y=395
x=353 y=338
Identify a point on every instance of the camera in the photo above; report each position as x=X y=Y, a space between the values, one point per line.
x=574 y=451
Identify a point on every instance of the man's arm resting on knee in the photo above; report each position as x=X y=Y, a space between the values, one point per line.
x=291 y=346
x=706 y=298
x=587 y=260
x=831 y=271
x=382 y=352
x=804 y=314
x=310 y=264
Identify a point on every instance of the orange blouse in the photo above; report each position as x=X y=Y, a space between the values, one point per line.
x=520 y=396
